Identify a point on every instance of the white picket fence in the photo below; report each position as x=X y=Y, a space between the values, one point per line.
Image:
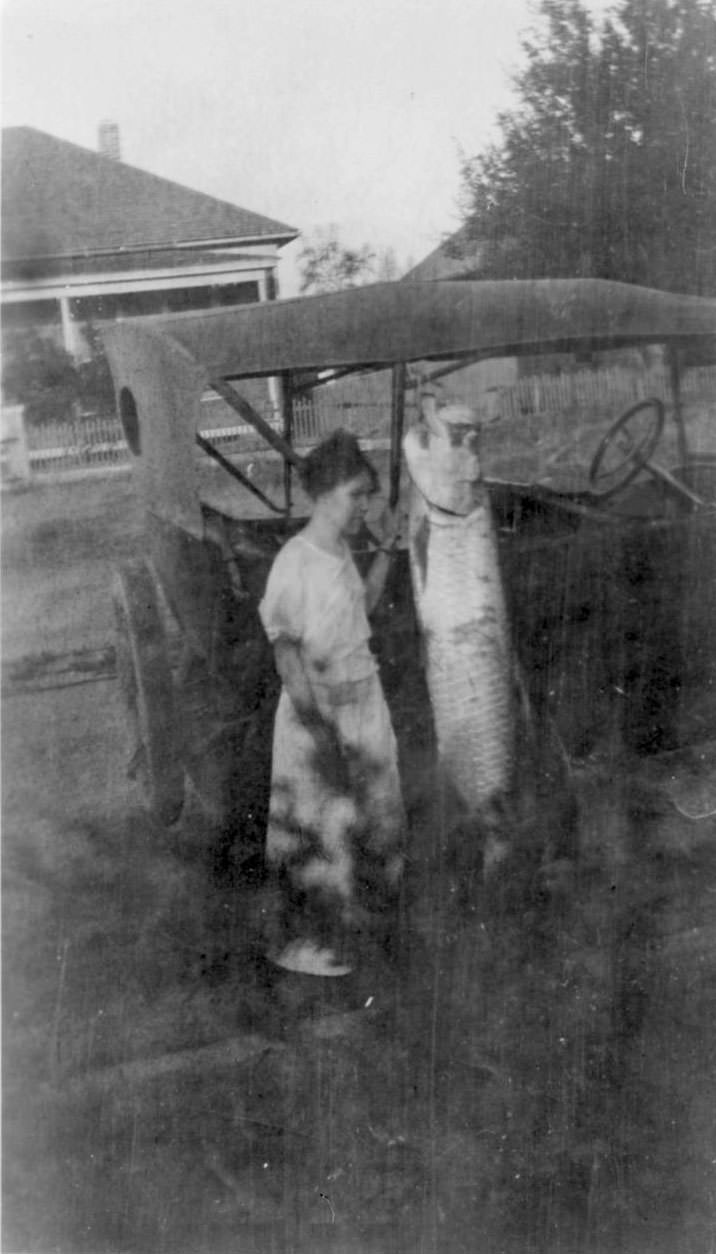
x=592 y=389
x=315 y=417
x=96 y=441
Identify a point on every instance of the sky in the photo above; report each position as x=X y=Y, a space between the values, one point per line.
x=320 y=113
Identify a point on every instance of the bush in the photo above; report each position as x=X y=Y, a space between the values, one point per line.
x=41 y=376
x=96 y=387
x=45 y=379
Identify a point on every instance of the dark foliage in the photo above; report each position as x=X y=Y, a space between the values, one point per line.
x=96 y=387
x=327 y=266
x=41 y=375
x=606 y=167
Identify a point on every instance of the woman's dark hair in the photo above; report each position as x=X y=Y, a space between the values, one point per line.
x=335 y=460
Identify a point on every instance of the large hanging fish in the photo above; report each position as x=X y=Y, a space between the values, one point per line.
x=461 y=606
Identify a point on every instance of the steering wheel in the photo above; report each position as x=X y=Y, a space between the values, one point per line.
x=633 y=440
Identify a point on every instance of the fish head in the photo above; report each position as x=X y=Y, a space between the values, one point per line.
x=442 y=455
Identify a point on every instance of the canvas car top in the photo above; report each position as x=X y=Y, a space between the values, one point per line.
x=163 y=365
x=384 y=323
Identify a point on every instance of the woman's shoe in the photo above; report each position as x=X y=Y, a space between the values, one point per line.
x=305 y=957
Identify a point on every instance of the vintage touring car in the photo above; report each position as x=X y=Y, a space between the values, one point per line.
x=608 y=553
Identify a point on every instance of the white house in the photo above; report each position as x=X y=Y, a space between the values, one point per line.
x=86 y=238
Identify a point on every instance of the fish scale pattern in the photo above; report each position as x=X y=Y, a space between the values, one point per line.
x=461 y=609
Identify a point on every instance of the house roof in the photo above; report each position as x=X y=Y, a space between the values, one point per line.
x=61 y=200
x=457 y=256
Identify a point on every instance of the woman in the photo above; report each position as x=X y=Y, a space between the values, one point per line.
x=336 y=822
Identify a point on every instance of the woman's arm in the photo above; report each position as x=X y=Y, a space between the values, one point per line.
x=378 y=573
x=376 y=577
x=298 y=686
x=294 y=678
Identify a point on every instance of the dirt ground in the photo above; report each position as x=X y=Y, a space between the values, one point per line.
x=532 y=1070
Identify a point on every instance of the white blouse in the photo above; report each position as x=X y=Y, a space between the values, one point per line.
x=317 y=600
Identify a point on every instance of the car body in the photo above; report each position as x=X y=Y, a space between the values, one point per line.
x=609 y=578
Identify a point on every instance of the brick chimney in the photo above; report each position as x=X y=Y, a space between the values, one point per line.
x=109 y=140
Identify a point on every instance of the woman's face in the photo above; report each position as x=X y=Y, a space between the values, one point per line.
x=347 y=504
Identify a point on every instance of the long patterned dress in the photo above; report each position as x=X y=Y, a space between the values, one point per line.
x=336 y=820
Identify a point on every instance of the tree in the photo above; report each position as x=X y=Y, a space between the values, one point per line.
x=327 y=266
x=40 y=375
x=387 y=269
x=44 y=377
x=607 y=166
x=95 y=383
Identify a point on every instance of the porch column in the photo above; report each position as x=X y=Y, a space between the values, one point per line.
x=69 y=332
x=275 y=394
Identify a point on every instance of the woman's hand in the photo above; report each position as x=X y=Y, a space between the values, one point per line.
x=389 y=527
x=329 y=758
x=297 y=684
x=294 y=678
